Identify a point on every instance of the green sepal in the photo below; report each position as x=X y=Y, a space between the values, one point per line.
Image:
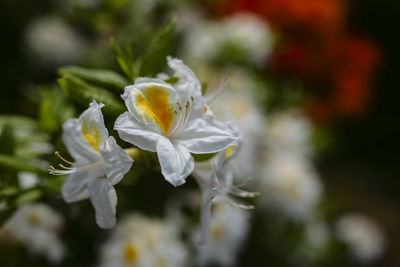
x=172 y=80
x=203 y=157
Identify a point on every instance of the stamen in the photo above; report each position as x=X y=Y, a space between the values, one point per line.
x=63 y=159
x=246 y=182
x=239 y=205
x=66 y=168
x=181 y=122
x=241 y=193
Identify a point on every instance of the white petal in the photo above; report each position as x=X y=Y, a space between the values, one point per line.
x=75 y=187
x=187 y=79
x=140 y=89
x=73 y=138
x=188 y=86
x=80 y=150
x=206 y=136
x=104 y=200
x=116 y=161
x=132 y=131
x=208 y=193
x=175 y=160
x=94 y=116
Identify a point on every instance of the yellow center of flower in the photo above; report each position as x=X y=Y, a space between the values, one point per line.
x=91 y=135
x=216 y=231
x=131 y=253
x=34 y=218
x=230 y=151
x=154 y=105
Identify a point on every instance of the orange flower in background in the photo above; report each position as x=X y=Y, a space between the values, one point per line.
x=351 y=74
x=320 y=15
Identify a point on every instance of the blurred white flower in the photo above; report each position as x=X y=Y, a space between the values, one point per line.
x=37 y=226
x=169 y=119
x=246 y=32
x=290 y=185
x=289 y=131
x=53 y=41
x=27 y=180
x=364 y=237
x=143 y=242
x=228 y=229
x=99 y=164
x=236 y=103
x=215 y=179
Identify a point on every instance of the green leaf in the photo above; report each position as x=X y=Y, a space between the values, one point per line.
x=7 y=140
x=19 y=164
x=126 y=64
x=83 y=93
x=5 y=214
x=54 y=109
x=203 y=157
x=107 y=78
x=28 y=196
x=155 y=57
x=8 y=191
x=54 y=184
x=29 y=139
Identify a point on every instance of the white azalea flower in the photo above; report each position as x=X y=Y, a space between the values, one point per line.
x=37 y=227
x=289 y=131
x=290 y=184
x=169 y=119
x=99 y=164
x=215 y=178
x=364 y=237
x=248 y=33
x=54 y=41
x=228 y=229
x=27 y=180
x=143 y=242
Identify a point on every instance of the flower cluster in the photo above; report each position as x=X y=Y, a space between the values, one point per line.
x=172 y=120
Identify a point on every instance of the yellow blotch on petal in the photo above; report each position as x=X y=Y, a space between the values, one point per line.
x=91 y=135
x=153 y=104
x=230 y=151
x=131 y=253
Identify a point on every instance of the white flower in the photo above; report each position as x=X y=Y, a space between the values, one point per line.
x=143 y=242
x=247 y=32
x=170 y=120
x=364 y=237
x=289 y=131
x=290 y=185
x=37 y=227
x=27 y=180
x=99 y=164
x=215 y=178
x=228 y=229
x=53 y=41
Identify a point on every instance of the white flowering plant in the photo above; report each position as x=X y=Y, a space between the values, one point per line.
x=177 y=148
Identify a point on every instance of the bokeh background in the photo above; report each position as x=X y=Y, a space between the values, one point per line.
x=336 y=60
